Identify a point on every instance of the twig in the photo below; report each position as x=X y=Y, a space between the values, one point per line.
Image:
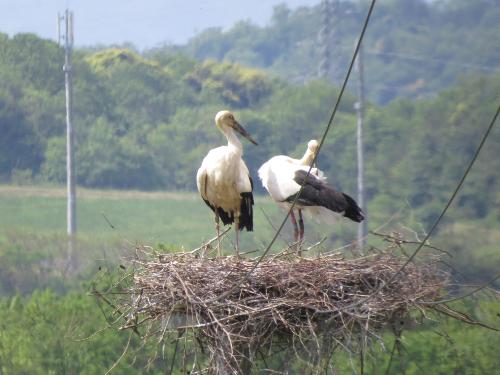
x=209 y=242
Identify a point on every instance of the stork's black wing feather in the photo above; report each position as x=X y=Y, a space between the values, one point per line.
x=224 y=216
x=246 y=209
x=316 y=192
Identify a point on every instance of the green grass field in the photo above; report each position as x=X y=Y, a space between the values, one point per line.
x=179 y=219
x=111 y=223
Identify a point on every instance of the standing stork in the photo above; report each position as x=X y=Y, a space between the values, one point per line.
x=223 y=179
x=283 y=176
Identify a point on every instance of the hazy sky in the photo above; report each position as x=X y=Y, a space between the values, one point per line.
x=146 y=23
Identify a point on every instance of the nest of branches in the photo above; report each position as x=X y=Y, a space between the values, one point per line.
x=237 y=307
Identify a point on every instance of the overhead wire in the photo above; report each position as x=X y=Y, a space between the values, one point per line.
x=452 y=197
x=440 y=217
x=443 y=212
x=426 y=59
x=323 y=138
x=325 y=133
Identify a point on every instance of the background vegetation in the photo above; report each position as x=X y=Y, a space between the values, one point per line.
x=413 y=49
x=144 y=121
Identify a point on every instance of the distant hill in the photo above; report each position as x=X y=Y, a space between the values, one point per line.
x=413 y=48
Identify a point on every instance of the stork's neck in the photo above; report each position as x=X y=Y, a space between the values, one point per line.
x=307 y=158
x=233 y=141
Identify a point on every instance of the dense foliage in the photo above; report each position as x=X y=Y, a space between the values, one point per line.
x=49 y=334
x=412 y=48
x=146 y=123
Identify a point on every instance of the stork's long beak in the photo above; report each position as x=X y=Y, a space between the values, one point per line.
x=240 y=129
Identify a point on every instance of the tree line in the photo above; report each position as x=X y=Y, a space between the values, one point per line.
x=145 y=122
x=413 y=48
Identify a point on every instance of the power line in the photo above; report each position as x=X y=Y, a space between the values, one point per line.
x=327 y=129
x=407 y=56
x=419 y=58
x=452 y=197
x=443 y=212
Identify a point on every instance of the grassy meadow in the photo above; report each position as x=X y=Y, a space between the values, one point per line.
x=136 y=217
x=178 y=219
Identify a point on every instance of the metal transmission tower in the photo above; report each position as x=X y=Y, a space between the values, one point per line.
x=360 y=111
x=328 y=37
x=324 y=38
x=68 y=37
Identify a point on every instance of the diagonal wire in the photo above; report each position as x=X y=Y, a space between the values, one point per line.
x=445 y=209
x=325 y=133
x=327 y=129
x=452 y=197
x=474 y=291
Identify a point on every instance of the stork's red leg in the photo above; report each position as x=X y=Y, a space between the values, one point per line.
x=301 y=233
x=295 y=228
x=301 y=226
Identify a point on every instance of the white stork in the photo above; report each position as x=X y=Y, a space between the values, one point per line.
x=224 y=181
x=282 y=176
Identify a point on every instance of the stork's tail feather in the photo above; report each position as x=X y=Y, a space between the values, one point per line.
x=353 y=211
x=246 y=211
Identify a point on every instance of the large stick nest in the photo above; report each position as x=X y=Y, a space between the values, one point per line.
x=237 y=306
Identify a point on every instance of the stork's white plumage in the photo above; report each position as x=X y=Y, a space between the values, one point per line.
x=282 y=176
x=224 y=181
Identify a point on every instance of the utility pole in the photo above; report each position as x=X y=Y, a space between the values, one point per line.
x=360 y=111
x=70 y=152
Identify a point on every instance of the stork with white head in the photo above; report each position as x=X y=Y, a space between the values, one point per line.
x=224 y=181
x=283 y=176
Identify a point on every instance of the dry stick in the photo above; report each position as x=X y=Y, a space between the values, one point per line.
x=315 y=244
x=107 y=221
x=91 y=335
x=403 y=241
x=121 y=356
x=462 y=317
x=362 y=362
x=114 y=228
x=100 y=295
x=210 y=241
